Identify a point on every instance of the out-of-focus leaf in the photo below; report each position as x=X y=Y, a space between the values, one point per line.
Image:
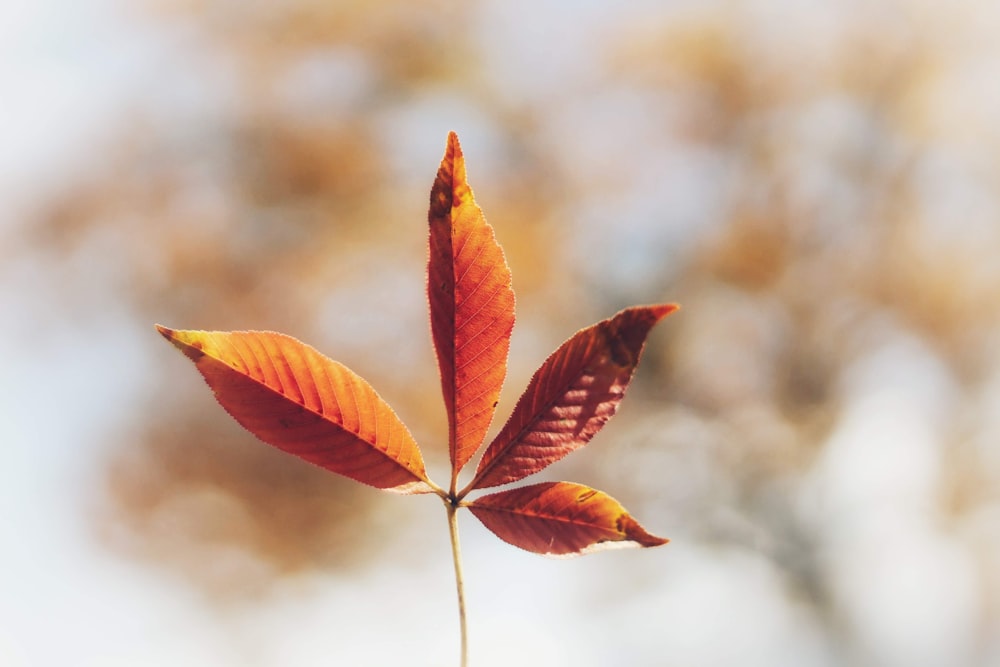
x=560 y=519
x=294 y=398
x=571 y=396
x=471 y=306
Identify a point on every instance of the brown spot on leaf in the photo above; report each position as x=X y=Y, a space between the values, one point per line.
x=621 y=352
x=441 y=196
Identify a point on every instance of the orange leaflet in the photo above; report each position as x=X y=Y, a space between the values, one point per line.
x=294 y=398
x=575 y=391
x=471 y=307
x=560 y=519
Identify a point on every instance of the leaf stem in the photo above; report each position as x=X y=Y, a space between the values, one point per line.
x=438 y=490
x=452 y=508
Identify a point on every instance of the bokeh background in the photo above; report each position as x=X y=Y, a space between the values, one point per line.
x=818 y=183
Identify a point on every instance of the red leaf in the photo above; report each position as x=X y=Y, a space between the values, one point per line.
x=575 y=391
x=560 y=518
x=471 y=304
x=294 y=398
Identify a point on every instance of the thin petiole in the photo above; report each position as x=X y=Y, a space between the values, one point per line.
x=452 y=509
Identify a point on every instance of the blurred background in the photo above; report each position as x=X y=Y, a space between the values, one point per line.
x=817 y=431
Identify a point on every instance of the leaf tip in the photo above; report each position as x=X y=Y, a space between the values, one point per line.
x=636 y=534
x=646 y=317
x=454 y=147
x=450 y=186
x=632 y=535
x=663 y=309
x=191 y=343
